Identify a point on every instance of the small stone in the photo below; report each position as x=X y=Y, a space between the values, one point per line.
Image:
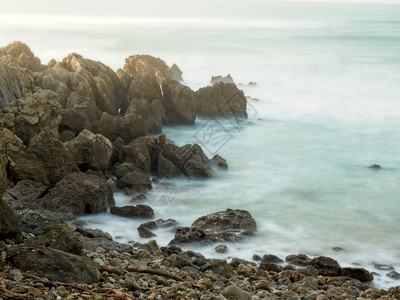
x=256 y=257
x=375 y=166
x=15 y=275
x=144 y=232
x=236 y=293
x=221 y=248
x=338 y=249
x=262 y=285
x=99 y=261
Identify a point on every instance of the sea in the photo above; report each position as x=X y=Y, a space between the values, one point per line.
x=324 y=106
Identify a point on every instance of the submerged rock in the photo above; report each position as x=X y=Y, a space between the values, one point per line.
x=225 y=79
x=229 y=225
x=358 y=273
x=138 y=211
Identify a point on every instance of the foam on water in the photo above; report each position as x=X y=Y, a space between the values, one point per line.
x=327 y=78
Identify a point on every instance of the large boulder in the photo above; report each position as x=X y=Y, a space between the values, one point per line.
x=128 y=127
x=137 y=153
x=358 y=273
x=90 y=151
x=326 y=266
x=54 y=265
x=190 y=160
x=179 y=102
x=79 y=193
x=20 y=55
x=45 y=160
x=136 y=64
x=229 y=225
x=86 y=88
x=57 y=236
x=27 y=190
x=9 y=226
x=10 y=86
x=138 y=211
x=221 y=99
x=28 y=116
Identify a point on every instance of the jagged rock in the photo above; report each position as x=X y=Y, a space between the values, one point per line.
x=138 y=211
x=45 y=160
x=10 y=86
x=86 y=88
x=229 y=225
x=299 y=260
x=136 y=64
x=144 y=229
x=26 y=190
x=225 y=79
x=358 y=273
x=79 y=193
x=90 y=151
x=179 y=102
x=57 y=236
x=221 y=99
x=9 y=226
x=94 y=239
x=20 y=55
x=326 y=266
x=219 y=162
x=189 y=159
x=128 y=127
x=134 y=180
x=137 y=153
x=144 y=232
x=166 y=168
x=28 y=116
x=153 y=113
x=55 y=265
x=176 y=73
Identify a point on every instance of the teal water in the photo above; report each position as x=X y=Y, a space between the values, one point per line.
x=329 y=106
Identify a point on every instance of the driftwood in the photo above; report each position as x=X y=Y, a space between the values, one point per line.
x=8 y=294
x=153 y=272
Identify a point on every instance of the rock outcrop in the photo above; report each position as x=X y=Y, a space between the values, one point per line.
x=225 y=79
x=55 y=265
x=79 y=193
x=221 y=99
x=136 y=64
x=9 y=226
x=10 y=86
x=90 y=151
x=179 y=102
x=18 y=54
x=229 y=225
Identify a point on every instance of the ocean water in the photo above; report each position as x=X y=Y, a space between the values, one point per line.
x=328 y=107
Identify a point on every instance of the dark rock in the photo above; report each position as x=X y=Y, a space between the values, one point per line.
x=57 y=236
x=28 y=116
x=298 y=260
x=229 y=225
x=176 y=73
x=45 y=160
x=219 y=162
x=308 y=271
x=127 y=127
x=9 y=226
x=67 y=135
x=177 y=261
x=270 y=258
x=54 y=265
x=393 y=274
x=152 y=247
x=144 y=232
x=138 y=211
x=134 y=180
x=268 y=266
x=358 y=273
x=10 y=87
x=137 y=152
x=219 y=267
x=125 y=168
x=94 y=239
x=394 y=292
x=90 y=151
x=166 y=168
x=189 y=159
x=221 y=99
x=26 y=190
x=375 y=166
x=384 y=267
x=256 y=257
x=179 y=102
x=326 y=266
x=221 y=248
x=226 y=79
x=79 y=193
x=337 y=249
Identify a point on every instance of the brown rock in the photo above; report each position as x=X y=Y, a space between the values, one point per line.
x=326 y=266
x=79 y=193
x=90 y=151
x=358 y=273
x=138 y=211
x=134 y=180
x=176 y=73
x=137 y=153
x=18 y=54
x=299 y=260
x=179 y=102
x=26 y=190
x=221 y=99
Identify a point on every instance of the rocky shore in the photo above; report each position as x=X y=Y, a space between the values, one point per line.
x=74 y=131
